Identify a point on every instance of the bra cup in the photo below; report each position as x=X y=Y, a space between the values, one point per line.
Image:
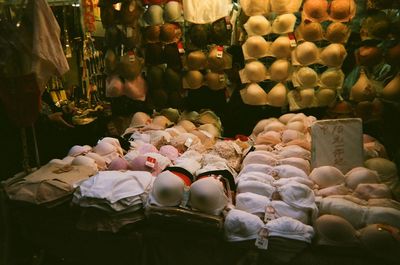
x=284 y=24
x=332 y=78
x=280 y=70
x=255 y=71
x=255 y=47
x=360 y=175
x=194 y=79
x=350 y=211
x=307 y=97
x=277 y=96
x=257 y=25
x=362 y=90
x=327 y=176
x=310 y=31
x=326 y=96
x=337 y=32
x=315 y=10
x=369 y=56
x=196 y=60
x=383 y=240
x=333 y=55
x=253 y=8
x=392 y=90
x=285 y=6
x=280 y=48
x=306 y=53
x=334 y=230
x=215 y=81
x=283 y=209
x=342 y=10
x=307 y=77
x=254 y=95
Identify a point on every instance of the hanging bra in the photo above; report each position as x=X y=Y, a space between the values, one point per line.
x=363 y=89
x=277 y=96
x=339 y=10
x=254 y=95
x=257 y=26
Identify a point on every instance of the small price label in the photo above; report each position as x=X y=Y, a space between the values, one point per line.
x=292 y=39
x=269 y=213
x=220 y=51
x=150 y=162
x=262 y=239
x=188 y=142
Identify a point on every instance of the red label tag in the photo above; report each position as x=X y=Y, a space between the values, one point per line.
x=292 y=39
x=220 y=51
x=150 y=162
x=180 y=47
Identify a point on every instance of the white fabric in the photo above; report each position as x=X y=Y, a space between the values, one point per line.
x=252 y=203
x=241 y=226
x=281 y=209
x=304 y=181
x=259 y=157
x=256 y=168
x=167 y=190
x=114 y=142
x=48 y=57
x=115 y=185
x=290 y=228
x=256 y=176
x=207 y=195
x=287 y=171
x=299 y=196
x=190 y=160
x=205 y=11
x=297 y=162
x=256 y=187
x=294 y=151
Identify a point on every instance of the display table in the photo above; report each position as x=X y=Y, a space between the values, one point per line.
x=52 y=237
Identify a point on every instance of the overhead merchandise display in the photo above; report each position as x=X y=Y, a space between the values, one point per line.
x=299 y=42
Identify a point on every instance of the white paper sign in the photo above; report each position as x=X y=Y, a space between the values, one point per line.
x=337 y=143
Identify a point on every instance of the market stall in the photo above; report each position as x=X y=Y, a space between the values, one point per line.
x=208 y=132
